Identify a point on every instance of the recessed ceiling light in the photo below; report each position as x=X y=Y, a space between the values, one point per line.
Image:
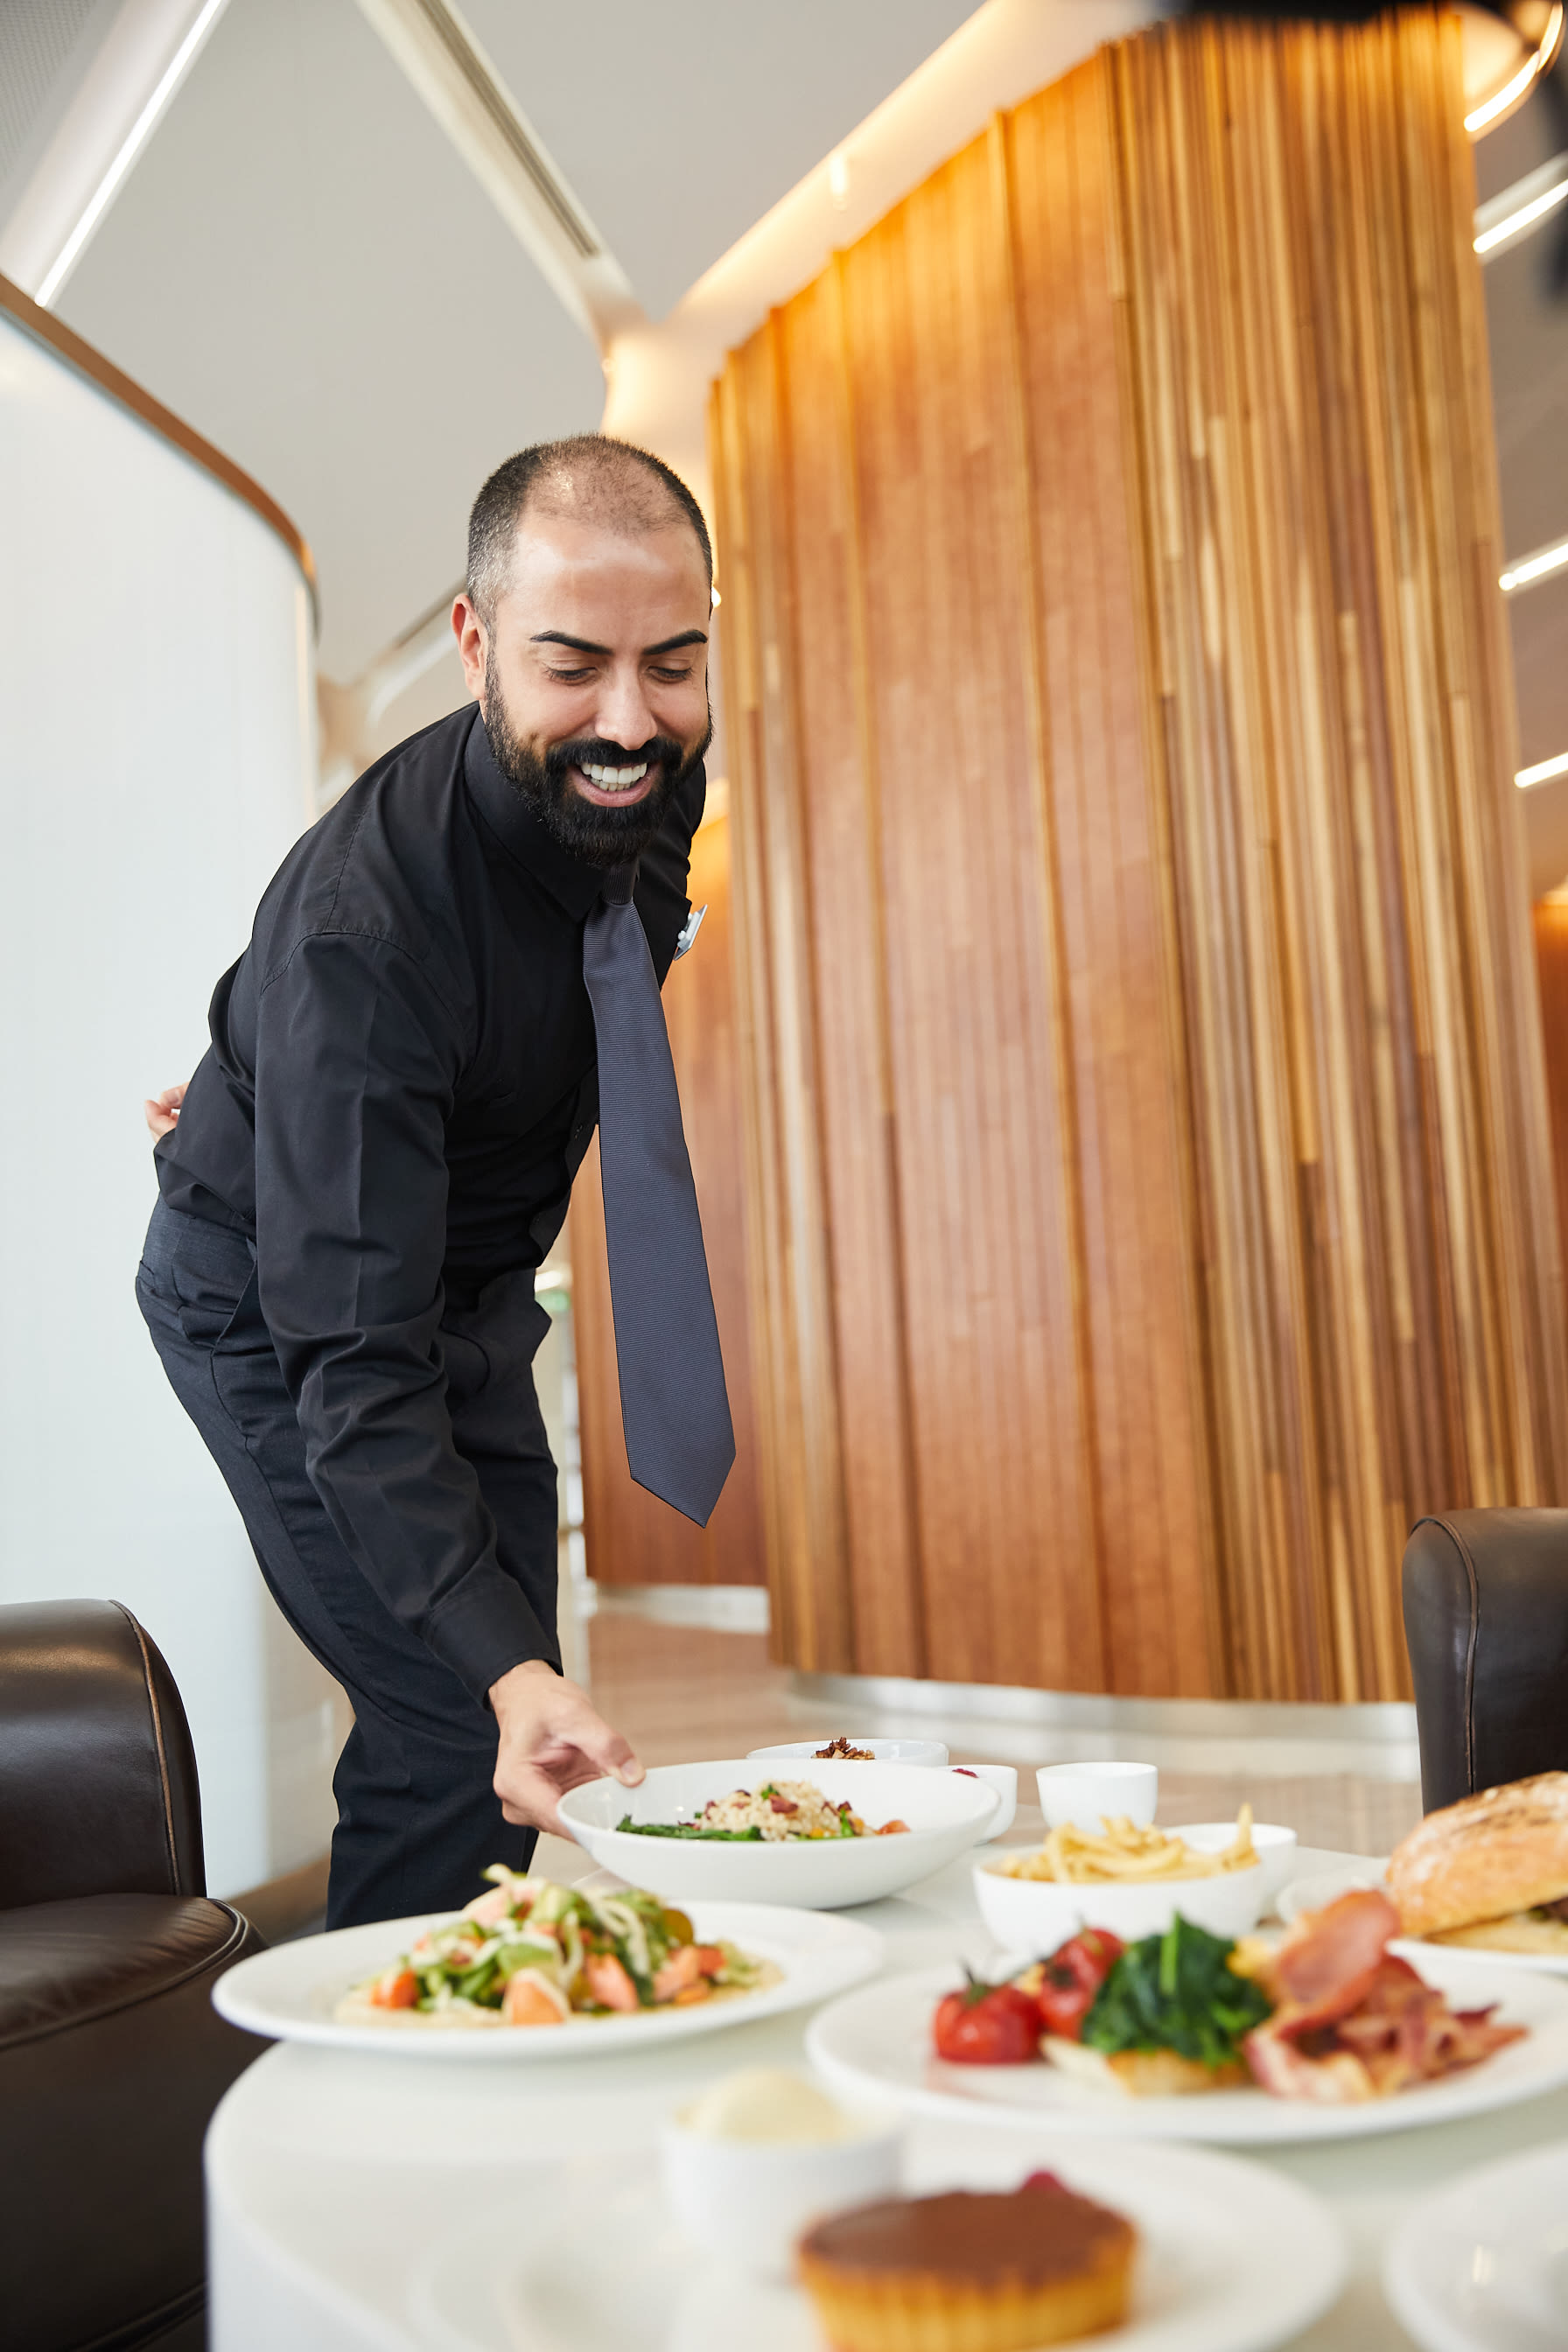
x=1534 y=567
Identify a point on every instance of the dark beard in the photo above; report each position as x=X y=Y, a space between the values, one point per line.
x=600 y=836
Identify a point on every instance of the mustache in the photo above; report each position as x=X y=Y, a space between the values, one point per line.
x=659 y=751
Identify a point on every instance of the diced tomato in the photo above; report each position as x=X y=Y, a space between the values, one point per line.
x=988 y=2025
x=526 y=2001
x=398 y=1988
x=710 y=1959
x=682 y=1968
x=894 y=1829
x=608 y=1981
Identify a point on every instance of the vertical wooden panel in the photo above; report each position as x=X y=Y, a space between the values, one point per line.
x=631 y=1537
x=1135 y=932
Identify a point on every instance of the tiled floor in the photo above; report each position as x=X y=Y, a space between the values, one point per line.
x=682 y=1692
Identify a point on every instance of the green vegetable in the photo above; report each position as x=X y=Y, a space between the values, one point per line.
x=1175 y=1991
x=687 y=1830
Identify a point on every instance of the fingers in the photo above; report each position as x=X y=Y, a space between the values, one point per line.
x=162 y=1112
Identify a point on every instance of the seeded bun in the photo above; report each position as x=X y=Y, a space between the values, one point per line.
x=1503 y=1851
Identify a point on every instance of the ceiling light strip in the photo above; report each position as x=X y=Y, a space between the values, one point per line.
x=1514 y=88
x=1539 y=566
x=1513 y=224
x=1542 y=772
x=135 y=140
x=450 y=35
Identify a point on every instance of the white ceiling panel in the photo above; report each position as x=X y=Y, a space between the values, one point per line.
x=679 y=126
x=303 y=266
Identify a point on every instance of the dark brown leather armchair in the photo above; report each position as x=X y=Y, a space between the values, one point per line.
x=111 y=2055
x=1485 y=1623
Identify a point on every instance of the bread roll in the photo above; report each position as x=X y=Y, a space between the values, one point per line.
x=1505 y=1850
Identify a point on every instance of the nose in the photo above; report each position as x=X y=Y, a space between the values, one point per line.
x=623 y=716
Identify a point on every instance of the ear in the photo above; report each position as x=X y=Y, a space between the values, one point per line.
x=473 y=644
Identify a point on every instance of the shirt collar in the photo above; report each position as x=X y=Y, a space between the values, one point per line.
x=571 y=882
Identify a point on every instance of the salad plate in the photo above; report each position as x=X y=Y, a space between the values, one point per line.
x=667 y=1848
x=1233 y=2258
x=1311 y=1893
x=1482 y=2265
x=292 y=1993
x=876 y=2043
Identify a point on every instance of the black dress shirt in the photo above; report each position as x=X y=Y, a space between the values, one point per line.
x=399 y=1090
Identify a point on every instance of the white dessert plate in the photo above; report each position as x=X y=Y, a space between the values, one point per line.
x=290 y=1992
x=875 y=2043
x=1311 y=1893
x=1234 y=2258
x=1482 y=2265
x=946 y=1813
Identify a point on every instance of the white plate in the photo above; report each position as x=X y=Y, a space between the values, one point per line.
x=1235 y=2258
x=1311 y=1893
x=290 y=1993
x=876 y=2043
x=1482 y=2266
x=946 y=1814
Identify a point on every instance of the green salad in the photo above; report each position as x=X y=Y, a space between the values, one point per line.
x=530 y=1952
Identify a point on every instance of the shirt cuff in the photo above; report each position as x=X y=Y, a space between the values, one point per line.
x=486 y=1627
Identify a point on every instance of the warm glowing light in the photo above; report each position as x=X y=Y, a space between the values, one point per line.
x=136 y=138
x=1542 y=772
x=1500 y=100
x=1526 y=214
x=1534 y=567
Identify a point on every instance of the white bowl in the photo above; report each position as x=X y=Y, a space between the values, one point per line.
x=883 y=1751
x=1275 y=1848
x=747 y=2201
x=1031 y=1916
x=946 y=1815
x=1085 y=1795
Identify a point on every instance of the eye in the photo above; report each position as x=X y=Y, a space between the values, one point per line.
x=672 y=677
x=568 y=676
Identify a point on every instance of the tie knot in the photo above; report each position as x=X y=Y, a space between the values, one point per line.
x=619 y=883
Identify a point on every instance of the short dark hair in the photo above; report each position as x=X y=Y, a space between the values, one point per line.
x=607 y=481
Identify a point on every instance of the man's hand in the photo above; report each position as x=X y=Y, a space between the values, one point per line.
x=162 y=1112
x=550 y=1740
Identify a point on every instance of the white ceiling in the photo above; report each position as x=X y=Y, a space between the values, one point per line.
x=303 y=266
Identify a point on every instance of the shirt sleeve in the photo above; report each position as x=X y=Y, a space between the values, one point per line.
x=357 y=1059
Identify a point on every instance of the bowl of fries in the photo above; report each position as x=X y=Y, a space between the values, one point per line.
x=1130 y=1879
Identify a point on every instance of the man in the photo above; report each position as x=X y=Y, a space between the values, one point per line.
x=407 y=1066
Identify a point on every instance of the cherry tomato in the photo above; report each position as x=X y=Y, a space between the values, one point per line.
x=988 y=2025
x=1068 y=1982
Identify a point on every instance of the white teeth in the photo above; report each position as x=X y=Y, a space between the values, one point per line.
x=614 y=780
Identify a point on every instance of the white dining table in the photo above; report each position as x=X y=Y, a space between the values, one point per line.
x=333 y=2175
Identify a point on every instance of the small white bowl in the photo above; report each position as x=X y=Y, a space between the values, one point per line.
x=883 y=1751
x=1085 y=1795
x=1275 y=1848
x=1031 y=1916
x=946 y=1816
x=747 y=2201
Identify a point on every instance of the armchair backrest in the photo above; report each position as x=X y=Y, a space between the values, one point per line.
x=98 y=1775
x=1486 y=1624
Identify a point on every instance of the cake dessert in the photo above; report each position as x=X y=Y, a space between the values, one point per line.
x=968 y=2272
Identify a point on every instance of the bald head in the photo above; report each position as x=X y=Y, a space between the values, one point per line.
x=591 y=479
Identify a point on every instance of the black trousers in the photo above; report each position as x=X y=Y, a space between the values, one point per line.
x=418 y=1817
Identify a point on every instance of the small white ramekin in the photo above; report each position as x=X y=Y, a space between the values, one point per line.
x=747 y=2202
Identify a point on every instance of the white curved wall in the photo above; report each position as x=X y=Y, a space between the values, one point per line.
x=156 y=761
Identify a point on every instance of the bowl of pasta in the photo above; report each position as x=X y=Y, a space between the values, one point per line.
x=1130 y=1879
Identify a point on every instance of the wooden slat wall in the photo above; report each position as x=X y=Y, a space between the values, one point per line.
x=1149 y=1182
x=631 y=1537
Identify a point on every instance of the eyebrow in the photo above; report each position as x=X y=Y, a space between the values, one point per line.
x=585 y=646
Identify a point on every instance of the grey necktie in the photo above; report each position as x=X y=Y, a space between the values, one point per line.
x=674 y=1408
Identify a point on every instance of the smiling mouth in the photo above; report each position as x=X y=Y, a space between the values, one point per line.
x=615 y=787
